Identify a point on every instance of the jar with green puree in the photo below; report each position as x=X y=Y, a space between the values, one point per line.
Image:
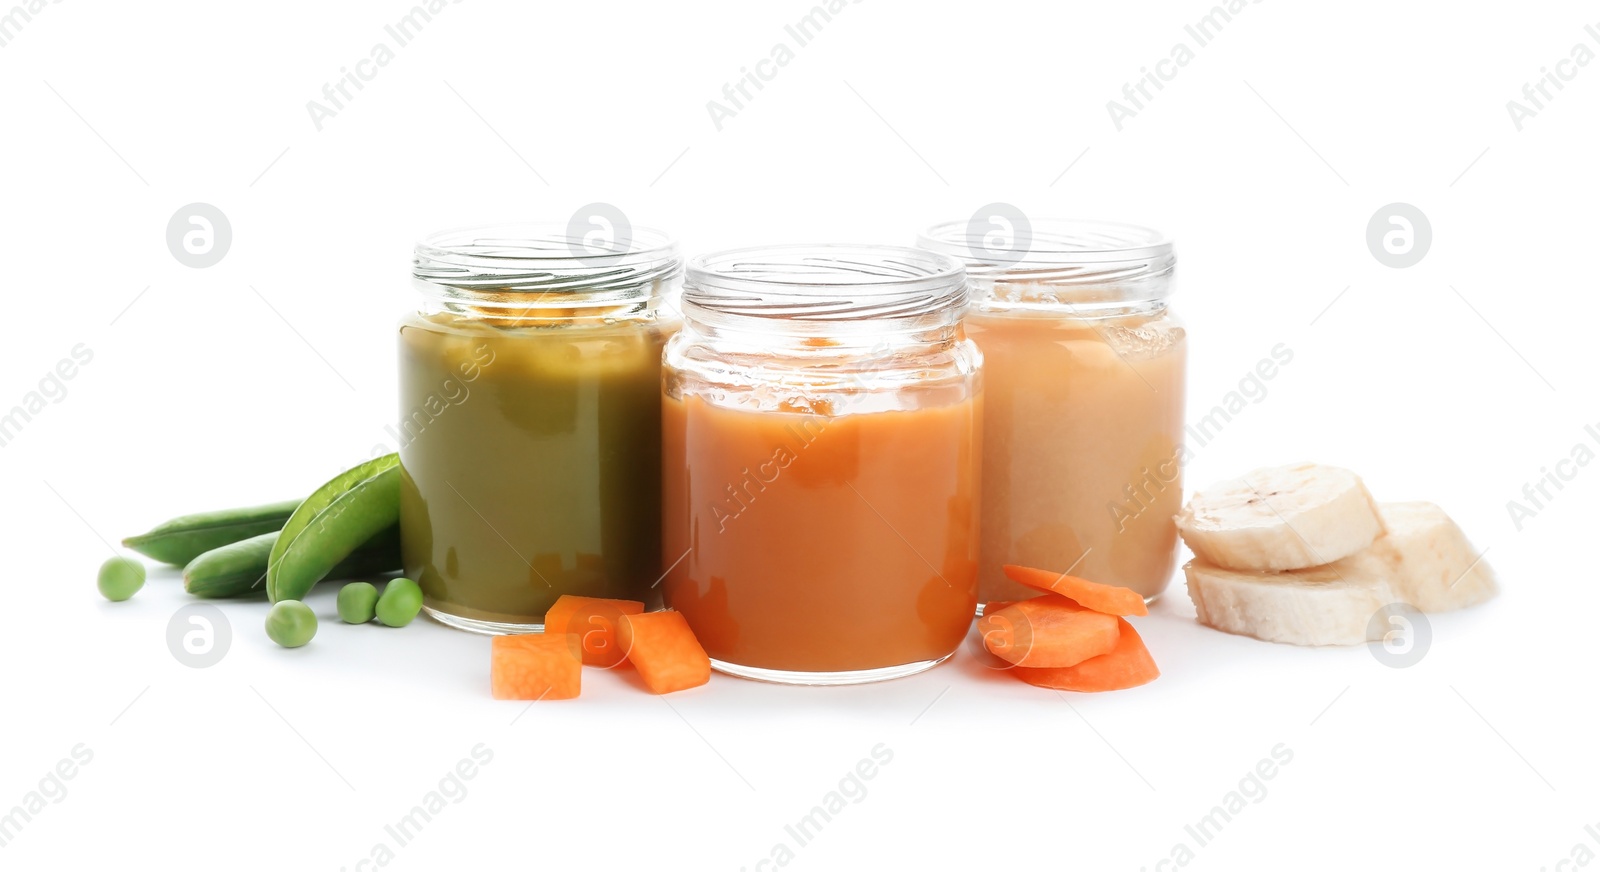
x=530 y=420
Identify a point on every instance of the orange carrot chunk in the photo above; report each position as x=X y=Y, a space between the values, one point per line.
x=535 y=666
x=1047 y=631
x=997 y=605
x=1128 y=665
x=1104 y=598
x=664 y=650
x=595 y=621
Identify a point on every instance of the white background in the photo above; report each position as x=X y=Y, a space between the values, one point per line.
x=1456 y=380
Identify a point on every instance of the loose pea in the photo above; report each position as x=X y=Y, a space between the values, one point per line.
x=120 y=578
x=291 y=623
x=358 y=601
x=400 y=603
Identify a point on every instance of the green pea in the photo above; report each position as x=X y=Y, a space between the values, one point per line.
x=120 y=578
x=358 y=602
x=291 y=623
x=400 y=603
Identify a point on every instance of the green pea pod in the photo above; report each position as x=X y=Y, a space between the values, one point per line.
x=240 y=568
x=347 y=511
x=184 y=538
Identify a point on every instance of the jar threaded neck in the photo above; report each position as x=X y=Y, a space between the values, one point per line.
x=1092 y=264
x=824 y=291
x=525 y=269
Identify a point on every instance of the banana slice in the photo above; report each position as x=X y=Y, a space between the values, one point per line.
x=1282 y=517
x=1425 y=557
x=1315 y=606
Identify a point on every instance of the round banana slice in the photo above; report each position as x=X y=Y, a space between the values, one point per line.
x=1426 y=558
x=1282 y=517
x=1316 y=606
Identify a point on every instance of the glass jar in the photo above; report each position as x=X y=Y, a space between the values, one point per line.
x=821 y=440
x=530 y=408
x=1083 y=410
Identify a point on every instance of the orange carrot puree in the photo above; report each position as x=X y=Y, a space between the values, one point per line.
x=822 y=544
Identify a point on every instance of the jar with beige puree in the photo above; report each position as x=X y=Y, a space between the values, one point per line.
x=1083 y=420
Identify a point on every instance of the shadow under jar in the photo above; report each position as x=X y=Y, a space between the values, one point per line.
x=1083 y=412
x=821 y=446
x=530 y=446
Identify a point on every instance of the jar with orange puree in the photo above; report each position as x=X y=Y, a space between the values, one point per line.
x=1083 y=410
x=821 y=443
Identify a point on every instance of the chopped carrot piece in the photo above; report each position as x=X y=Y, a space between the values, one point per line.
x=1128 y=665
x=664 y=650
x=997 y=605
x=535 y=666
x=1047 y=631
x=1104 y=598
x=595 y=620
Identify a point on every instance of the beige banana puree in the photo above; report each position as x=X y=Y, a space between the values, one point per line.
x=1083 y=428
x=1084 y=384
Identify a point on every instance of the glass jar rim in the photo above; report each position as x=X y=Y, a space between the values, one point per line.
x=1059 y=241
x=528 y=263
x=824 y=282
x=1084 y=266
x=1059 y=261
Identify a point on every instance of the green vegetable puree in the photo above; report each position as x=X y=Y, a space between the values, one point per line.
x=531 y=463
